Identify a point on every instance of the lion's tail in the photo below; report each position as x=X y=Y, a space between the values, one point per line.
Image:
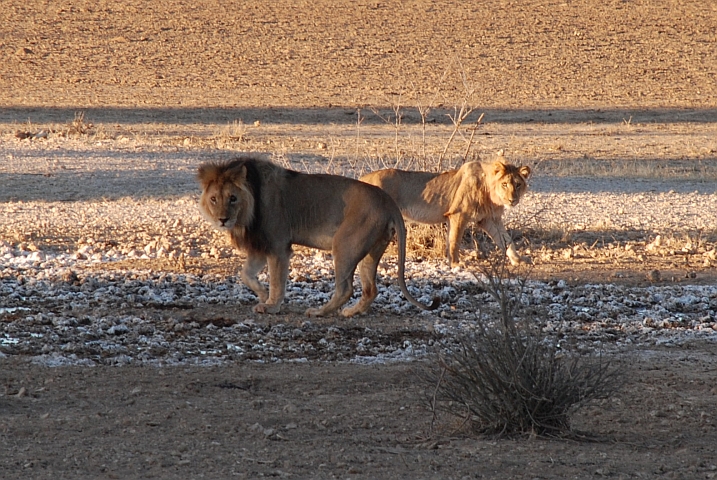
x=400 y=228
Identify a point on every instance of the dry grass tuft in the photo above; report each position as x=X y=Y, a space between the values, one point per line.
x=79 y=126
x=428 y=241
x=673 y=169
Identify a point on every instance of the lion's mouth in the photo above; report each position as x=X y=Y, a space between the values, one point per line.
x=227 y=224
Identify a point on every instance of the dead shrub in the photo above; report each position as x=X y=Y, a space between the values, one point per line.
x=427 y=240
x=430 y=241
x=79 y=126
x=510 y=377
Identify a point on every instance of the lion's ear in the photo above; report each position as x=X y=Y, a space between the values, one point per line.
x=499 y=169
x=206 y=173
x=238 y=174
x=525 y=171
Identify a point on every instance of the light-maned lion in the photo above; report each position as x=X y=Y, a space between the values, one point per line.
x=476 y=191
x=266 y=209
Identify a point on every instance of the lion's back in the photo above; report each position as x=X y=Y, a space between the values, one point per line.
x=411 y=190
x=308 y=209
x=329 y=195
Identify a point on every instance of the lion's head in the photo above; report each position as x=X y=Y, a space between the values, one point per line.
x=227 y=199
x=506 y=182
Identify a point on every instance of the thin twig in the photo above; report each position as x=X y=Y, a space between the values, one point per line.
x=470 y=140
x=359 y=119
x=435 y=394
x=457 y=120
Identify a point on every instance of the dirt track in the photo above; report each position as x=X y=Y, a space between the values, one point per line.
x=576 y=89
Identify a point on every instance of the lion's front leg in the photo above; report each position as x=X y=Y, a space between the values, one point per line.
x=497 y=232
x=513 y=256
x=252 y=266
x=278 y=273
x=456 y=226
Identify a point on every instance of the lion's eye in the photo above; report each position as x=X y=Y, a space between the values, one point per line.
x=213 y=200
x=233 y=199
x=505 y=185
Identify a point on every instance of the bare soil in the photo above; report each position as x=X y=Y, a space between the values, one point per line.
x=571 y=88
x=336 y=421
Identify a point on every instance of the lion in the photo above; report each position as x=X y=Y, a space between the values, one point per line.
x=266 y=209
x=476 y=191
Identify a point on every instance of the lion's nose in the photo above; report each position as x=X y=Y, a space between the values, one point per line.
x=224 y=221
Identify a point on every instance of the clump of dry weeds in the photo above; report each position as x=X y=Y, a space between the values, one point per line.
x=510 y=377
x=78 y=126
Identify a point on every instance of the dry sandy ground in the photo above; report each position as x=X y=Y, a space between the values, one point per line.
x=622 y=91
x=335 y=421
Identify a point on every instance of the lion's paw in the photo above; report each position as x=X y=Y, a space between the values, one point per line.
x=267 y=308
x=313 y=312
x=351 y=311
x=520 y=260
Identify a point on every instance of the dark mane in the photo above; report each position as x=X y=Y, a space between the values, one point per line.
x=253 y=236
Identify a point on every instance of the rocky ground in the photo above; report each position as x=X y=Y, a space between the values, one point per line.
x=128 y=348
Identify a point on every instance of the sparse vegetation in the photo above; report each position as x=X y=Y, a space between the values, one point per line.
x=79 y=126
x=510 y=377
x=223 y=393
x=234 y=132
x=692 y=169
x=428 y=241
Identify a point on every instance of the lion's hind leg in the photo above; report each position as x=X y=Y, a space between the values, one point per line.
x=346 y=256
x=367 y=272
x=344 y=270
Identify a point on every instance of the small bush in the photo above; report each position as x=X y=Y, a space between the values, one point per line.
x=510 y=377
x=79 y=126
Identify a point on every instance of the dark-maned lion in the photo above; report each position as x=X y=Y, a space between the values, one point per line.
x=266 y=209
x=476 y=191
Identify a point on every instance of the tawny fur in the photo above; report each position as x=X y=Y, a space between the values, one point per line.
x=476 y=191
x=266 y=209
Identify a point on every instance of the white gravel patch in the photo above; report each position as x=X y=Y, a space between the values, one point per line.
x=578 y=203
x=56 y=310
